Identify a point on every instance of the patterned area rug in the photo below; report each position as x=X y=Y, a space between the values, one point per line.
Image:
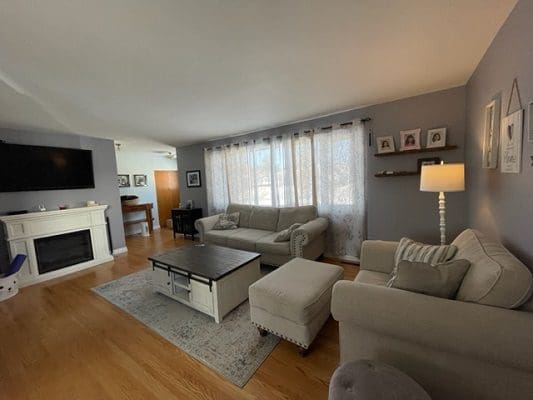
x=233 y=348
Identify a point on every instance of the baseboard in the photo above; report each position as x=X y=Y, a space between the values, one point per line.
x=120 y=250
x=345 y=259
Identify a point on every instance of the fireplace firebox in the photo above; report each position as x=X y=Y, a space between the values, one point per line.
x=60 y=251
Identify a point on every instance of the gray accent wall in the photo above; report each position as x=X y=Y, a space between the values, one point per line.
x=105 y=177
x=395 y=206
x=501 y=204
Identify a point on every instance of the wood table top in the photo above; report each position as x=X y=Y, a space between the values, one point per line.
x=205 y=260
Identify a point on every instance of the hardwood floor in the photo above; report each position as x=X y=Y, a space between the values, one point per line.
x=59 y=340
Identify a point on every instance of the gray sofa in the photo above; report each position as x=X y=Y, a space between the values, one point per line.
x=478 y=346
x=258 y=226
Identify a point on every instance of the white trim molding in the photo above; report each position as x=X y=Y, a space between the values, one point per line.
x=120 y=250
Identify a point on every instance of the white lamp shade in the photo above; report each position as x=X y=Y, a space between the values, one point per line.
x=443 y=178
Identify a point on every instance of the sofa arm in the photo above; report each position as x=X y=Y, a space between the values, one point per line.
x=306 y=234
x=378 y=255
x=204 y=225
x=490 y=334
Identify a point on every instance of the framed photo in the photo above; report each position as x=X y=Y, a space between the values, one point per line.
x=123 y=181
x=140 y=180
x=530 y=122
x=436 y=138
x=193 y=179
x=410 y=140
x=511 y=143
x=427 y=161
x=491 y=136
x=385 y=144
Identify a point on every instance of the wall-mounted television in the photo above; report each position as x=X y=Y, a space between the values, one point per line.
x=28 y=168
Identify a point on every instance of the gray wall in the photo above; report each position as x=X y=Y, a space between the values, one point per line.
x=500 y=204
x=191 y=158
x=105 y=177
x=396 y=207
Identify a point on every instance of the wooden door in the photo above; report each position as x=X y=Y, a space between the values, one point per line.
x=168 y=194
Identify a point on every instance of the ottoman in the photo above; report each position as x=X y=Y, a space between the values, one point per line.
x=293 y=302
x=372 y=380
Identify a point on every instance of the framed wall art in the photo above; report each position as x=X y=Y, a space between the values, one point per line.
x=436 y=138
x=123 y=181
x=140 y=180
x=385 y=144
x=410 y=140
x=193 y=179
x=511 y=143
x=491 y=135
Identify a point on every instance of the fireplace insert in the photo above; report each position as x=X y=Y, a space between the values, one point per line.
x=60 y=251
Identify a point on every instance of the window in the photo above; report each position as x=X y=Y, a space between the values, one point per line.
x=325 y=169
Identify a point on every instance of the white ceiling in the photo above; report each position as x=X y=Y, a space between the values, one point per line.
x=179 y=72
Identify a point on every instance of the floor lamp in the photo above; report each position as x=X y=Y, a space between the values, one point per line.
x=442 y=178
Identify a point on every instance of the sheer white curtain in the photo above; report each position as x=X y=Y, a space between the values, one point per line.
x=339 y=160
x=324 y=168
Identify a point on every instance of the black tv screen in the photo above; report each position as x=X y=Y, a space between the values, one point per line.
x=25 y=168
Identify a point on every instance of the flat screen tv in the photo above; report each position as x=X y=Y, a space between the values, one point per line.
x=27 y=168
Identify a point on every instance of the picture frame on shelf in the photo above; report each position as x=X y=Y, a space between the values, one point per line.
x=511 y=143
x=410 y=139
x=491 y=135
x=194 y=179
x=427 y=161
x=123 y=181
x=140 y=180
x=385 y=144
x=436 y=138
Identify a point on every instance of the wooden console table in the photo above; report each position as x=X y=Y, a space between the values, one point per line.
x=146 y=208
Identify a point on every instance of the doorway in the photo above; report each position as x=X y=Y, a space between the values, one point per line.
x=167 y=193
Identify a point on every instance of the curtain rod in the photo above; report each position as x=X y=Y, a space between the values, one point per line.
x=363 y=120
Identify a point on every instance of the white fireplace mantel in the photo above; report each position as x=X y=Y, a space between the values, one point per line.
x=21 y=230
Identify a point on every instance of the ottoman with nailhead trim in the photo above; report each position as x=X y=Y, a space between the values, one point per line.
x=372 y=380
x=294 y=301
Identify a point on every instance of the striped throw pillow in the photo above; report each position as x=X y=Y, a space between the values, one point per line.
x=414 y=251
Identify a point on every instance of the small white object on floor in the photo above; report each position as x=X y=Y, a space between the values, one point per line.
x=8 y=287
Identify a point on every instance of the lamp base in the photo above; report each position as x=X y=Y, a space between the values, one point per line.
x=442 y=213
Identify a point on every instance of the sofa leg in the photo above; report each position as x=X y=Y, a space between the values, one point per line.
x=262 y=332
x=303 y=351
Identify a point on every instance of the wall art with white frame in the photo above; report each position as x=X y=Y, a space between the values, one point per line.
x=491 y=135
x=530 y=121
x=511 y=143
x=436 y=138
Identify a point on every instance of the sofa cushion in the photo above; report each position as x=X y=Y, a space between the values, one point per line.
x=292 y=215
x=220 y=237
x=496 y=277
x=372 y=278
x=296 y=291
x=267 y=244
x=265 y=218
x=246 y=238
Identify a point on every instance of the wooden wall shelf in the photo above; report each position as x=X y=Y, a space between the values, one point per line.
x=424 y=150
x=397 y=173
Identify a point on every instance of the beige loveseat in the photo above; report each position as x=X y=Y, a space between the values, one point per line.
x=477 y=346
x=258 y=226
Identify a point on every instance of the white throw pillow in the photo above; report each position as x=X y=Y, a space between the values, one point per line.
x=414 y=251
